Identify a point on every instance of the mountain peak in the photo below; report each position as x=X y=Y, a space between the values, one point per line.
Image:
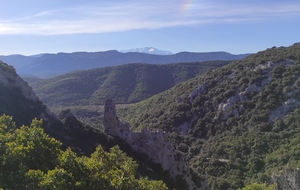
x=149 y=50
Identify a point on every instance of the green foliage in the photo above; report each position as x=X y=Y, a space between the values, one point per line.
x=125 y=84
x=23 y=149
x=30 y=159
x=255 y=186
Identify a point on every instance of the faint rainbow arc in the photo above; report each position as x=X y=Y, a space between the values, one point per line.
x=186 y=6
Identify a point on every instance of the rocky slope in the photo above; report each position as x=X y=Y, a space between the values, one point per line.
x=18 y=99
x=240 y=122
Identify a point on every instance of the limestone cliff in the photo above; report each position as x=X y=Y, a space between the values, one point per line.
x=157 y=145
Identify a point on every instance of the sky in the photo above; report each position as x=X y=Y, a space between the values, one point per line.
x=38 y=26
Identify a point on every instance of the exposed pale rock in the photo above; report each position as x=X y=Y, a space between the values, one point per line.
x=225 y=110
x=184 y=128
x=196 y=92
x=283 y=109
x=155 y=144
x=287 y=179
x=268 y=66
x=231 y=75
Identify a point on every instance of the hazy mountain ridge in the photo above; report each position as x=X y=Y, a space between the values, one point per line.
x=125 y=83
x=48 y=65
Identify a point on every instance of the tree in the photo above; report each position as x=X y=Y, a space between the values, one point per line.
x=24 y=149
x=255 y=186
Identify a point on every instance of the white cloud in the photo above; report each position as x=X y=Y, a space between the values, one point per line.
x=114 y=17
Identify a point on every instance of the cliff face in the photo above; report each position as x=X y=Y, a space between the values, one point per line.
x=18 y=99
x=157 y=145
x=9 y=78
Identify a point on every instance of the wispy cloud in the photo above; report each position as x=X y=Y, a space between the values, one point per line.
x=115 y=17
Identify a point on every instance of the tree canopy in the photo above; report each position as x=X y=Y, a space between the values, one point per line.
x=30 y=159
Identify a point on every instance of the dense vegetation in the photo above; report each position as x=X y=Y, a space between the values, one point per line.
x=30 y=159
x=125 y=84
x=240 y=122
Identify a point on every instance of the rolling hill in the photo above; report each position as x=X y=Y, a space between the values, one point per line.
x=125 y=83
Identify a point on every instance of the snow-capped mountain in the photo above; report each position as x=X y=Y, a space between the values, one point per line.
x=149 y=50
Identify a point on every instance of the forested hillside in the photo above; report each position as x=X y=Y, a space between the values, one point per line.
x=239 y=122
x=125 y=84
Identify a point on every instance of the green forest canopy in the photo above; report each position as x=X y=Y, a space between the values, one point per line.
x=30 y=159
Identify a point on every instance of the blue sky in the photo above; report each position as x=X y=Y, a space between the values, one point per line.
x=34 y=26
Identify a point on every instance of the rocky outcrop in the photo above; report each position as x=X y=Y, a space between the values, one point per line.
x=9 y=77
x=232 y=108
x=287 y=179
x=157 y=145
x=69 y=120
x=19 y=100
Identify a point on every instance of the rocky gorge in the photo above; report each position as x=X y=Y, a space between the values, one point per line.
x=156 y=145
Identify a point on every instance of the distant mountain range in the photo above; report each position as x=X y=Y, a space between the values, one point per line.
x=47 y=65
x=149 y=50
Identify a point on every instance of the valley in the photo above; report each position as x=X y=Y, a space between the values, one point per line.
x=126 y=83
x=215 y=124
